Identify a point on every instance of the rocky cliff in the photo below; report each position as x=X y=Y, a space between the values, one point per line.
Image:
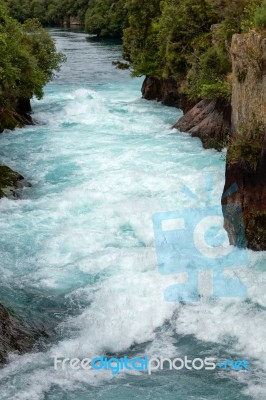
x=210 y=120
x=14 y=336
x=72 y=21
x=11 y=182
x=243 y=122
x=248 y=52
x=246 y=160
x=166 y=91
x=16 y=116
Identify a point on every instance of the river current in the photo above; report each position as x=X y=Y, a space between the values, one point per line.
x=78 y=254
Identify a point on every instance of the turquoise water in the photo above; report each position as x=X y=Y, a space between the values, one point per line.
x=78 y=254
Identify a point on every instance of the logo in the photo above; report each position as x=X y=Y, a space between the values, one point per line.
x=239 y=365
x=147 y=364
x=191 y=240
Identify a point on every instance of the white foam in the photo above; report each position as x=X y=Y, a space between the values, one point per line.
x=86 y=233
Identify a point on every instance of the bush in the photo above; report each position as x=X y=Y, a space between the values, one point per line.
x=246 y=146
x=217 y=89
x=260 y=17
x=106 y=18
x=28 y=59
x=208 y=77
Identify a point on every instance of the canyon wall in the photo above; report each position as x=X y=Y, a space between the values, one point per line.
x=244 y=123
x=246 y=159
x=16 y=115
x=166 y=91
x=210 y=120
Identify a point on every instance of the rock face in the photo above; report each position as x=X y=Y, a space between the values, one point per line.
x=248 y=112
x=11 y=182
x=19 y=115
x=24 y=109
x=251 y=195
x=15 y=335
x=248 y=53
x=12 y=336
x=210 y=120
x=166 y=91
x=72 y=21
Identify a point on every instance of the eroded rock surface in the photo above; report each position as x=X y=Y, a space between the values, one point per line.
x=11 y=182
x=249 y=120
x=210 y=120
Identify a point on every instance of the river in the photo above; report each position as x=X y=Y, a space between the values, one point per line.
x=78 y=254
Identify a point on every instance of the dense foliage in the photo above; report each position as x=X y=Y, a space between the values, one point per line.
x=28 y=59
x=51 y=12
x=188 y=40
x=101 y=17
x=106 y=18
x=185 y=39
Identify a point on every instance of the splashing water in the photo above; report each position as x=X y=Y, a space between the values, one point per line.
x=78 y=253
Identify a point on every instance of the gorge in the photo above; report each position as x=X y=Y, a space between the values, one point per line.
x=240 y=125
x=96 y=162
x=78 y=262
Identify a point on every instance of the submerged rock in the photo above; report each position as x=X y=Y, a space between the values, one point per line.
x=210 y=120
x=11 y=182
x=12 y=338
x=15 y=335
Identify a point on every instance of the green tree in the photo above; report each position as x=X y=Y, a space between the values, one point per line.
x=259 y=17
x=182 y=26
x=49 y=12
x=106 y=18
x=28 y=59
x=140 y=37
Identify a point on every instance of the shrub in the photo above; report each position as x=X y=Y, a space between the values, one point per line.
x=260 y=17
x=28 y=59
x=246 y=146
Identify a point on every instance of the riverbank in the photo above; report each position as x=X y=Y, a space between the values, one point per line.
x=239 y=125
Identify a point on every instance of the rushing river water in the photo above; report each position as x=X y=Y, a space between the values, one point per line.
x=78 y=254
